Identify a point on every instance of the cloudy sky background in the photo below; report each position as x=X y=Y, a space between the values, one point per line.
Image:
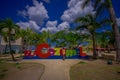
x=44 y=15
x=38 y=14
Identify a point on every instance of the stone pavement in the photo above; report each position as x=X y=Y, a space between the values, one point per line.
x=56 y=69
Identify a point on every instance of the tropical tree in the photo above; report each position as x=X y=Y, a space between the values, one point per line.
x=44 y=36
x=90 y=23
x=35 y=39
x=59 y=38
x=68 y=38
x=102 y=40
x=107 y=4
x=22 y=34
x=7 y=28
x=25 y=35
x=73 y=39
x=29 y=37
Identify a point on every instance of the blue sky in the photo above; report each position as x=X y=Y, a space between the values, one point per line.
x=53 y=15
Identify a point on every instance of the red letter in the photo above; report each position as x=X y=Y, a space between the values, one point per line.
x=41 y=52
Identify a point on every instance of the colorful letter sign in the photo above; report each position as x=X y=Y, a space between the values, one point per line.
x=44 y=51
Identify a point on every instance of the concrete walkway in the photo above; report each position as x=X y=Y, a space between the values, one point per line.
x=56 y=69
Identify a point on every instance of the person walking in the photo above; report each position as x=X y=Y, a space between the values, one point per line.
x=63 y=53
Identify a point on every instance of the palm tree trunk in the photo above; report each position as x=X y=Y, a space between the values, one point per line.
x=9 y=43
x=94 y=48
x=115 y=30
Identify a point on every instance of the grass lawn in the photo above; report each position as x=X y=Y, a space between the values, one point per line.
x=17 y=71
x=95 y=70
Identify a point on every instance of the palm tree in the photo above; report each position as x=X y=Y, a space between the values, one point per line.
x=22 y=34
x=73 y=39
x=44 y=36
x=90 y=23
x=59 y=38
x=25 y=36
x=28 y=38
x=103 y=40
x=108 y=5
x=35 y=39
x=8 y=27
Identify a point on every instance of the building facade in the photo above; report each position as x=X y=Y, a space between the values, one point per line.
x=15 y=45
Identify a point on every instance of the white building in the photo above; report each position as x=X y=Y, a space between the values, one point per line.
x=15 y=44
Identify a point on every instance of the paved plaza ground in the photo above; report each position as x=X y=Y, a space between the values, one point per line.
x=56 y=69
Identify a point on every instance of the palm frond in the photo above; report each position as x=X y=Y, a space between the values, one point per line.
x=84 y=19
x=109 y=3
x=97 y=25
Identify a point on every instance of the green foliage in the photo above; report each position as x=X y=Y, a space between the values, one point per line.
x=91 y=23
x=7 y=27
x=105 y=39
x=70 y=39
x=29 y=38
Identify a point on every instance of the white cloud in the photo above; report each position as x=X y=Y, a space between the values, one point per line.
x=72 y=3
x=64 y=25
x=31 y=24
x=75 y=10
x=51 y=26
x=118 y=21
x=23 y=13
x=37 y=12
x=23 y=25
x=34 y=25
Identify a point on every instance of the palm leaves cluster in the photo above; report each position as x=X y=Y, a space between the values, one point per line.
x=90 y=23
x=28 y=37
x=6 y=29
x=93 y=21
x=69 y=39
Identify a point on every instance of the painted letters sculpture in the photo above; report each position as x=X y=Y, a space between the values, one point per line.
x=43 y=51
